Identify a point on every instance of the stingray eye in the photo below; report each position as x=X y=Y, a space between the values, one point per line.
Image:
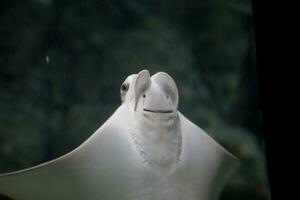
x=144 y=96
x=125 y=87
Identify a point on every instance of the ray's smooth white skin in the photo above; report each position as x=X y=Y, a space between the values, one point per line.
x=147 y=150
x=154 y=122
x=155 y=98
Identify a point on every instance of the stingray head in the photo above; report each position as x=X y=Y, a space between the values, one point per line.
x=154 y=98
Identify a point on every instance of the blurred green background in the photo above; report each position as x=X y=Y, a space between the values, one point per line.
x=62 y=64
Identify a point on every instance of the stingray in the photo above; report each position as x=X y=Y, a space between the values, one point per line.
x=147 y=150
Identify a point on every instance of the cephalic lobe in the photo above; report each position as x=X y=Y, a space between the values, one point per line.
x=154 y=119
x=156 y=91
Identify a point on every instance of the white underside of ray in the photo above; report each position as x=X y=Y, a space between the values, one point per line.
x=108 y=166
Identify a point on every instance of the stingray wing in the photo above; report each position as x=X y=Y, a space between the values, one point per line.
x=85 y=173
x=209 y=164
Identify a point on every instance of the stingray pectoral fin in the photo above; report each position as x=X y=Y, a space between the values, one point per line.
x=52 y=178
x=211 y=162
x=227 y=166
x=48 y=182
x=69 y=176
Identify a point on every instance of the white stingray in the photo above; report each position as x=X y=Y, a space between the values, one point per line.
x=147 y=150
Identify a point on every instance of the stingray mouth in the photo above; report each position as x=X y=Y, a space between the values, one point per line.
x=158 y=111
